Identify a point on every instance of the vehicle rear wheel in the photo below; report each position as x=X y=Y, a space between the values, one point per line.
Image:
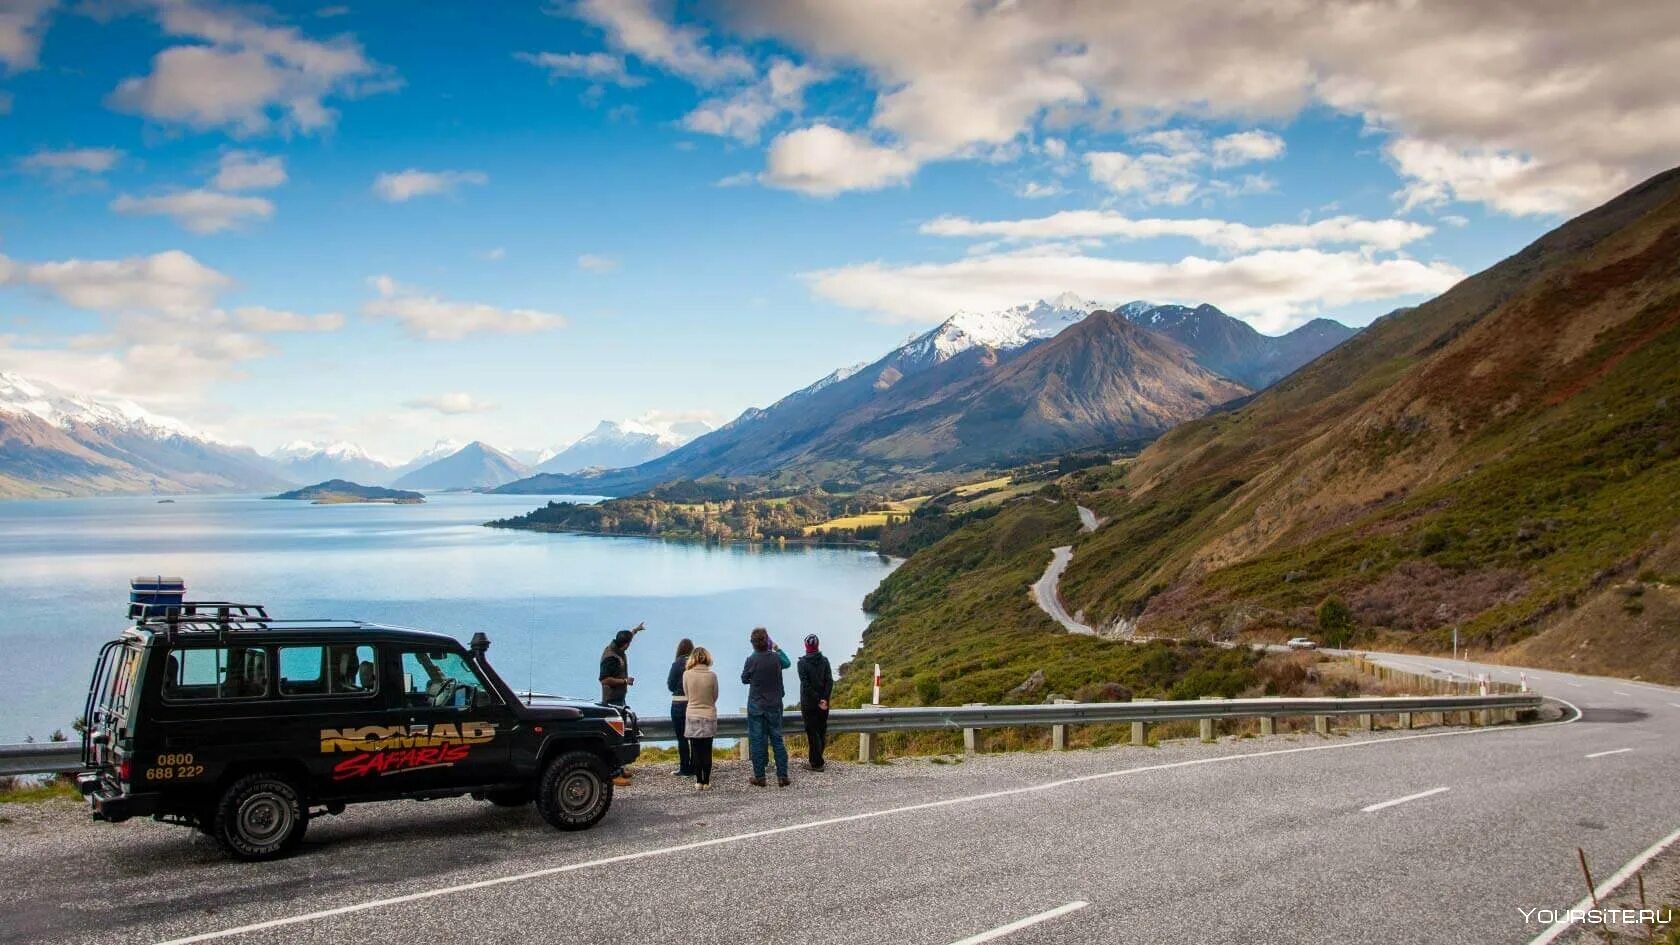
x=259 y=817
x=574 y=791
x=517 y=798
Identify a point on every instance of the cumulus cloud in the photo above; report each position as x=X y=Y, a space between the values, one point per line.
x=598 y=67
x=170 y=282
x=248 y=170
x=201 y=211
x=72 y=161
x=1173 y=172
x=1274 y=289
x=21 y=25
x=743 y=114
x=634 y=27
x=453 y=403
x=1543 y=107
x=245 y=75
x=261 y=318
x=1245 y=147
x=399 y=186
x=823 y=160
x=593 y=262
x=437 y=319
x=1389 y=234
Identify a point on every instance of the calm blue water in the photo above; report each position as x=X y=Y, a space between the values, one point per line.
x=549 y=603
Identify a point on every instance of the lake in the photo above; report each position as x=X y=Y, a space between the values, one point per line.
x=549 y=602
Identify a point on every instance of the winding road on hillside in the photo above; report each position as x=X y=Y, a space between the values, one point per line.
x=1434 y=836
x=1047 y=589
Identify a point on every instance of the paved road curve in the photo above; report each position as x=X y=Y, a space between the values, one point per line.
x=1439 y=837
x=1047 y=592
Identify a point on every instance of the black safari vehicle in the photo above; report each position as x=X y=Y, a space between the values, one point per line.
x=213 y=714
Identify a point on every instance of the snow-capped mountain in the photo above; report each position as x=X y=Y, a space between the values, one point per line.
x=55 y=442
x=477 y=465
x=439 y=450
x=309 y=462
x=1003 y=329
x=615 y=444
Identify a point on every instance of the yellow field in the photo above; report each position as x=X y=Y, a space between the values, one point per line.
x=864 y=520
x=974 y=487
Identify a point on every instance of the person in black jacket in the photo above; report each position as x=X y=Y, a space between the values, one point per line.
x=762 y=675
x=679 y=706
x=816 y=684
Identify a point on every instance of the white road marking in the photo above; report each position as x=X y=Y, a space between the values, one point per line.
x=1020 y=924
x=1613 y=751
x=1401 y=800
x=1606 y=888
x=830 y=822
x=1621 y=693
x=1675 y=704
x=1577 y=685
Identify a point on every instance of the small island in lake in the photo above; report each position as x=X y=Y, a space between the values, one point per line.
x=337 y=491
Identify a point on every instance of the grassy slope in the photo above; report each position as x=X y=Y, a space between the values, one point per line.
x=1486 y=459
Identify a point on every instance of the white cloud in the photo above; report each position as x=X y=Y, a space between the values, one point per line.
x=1034 y=190
x=170 y=282
x=453 y=403
x=1245 y=147
x=248 y=170
x=823 y=160
x=437 y=319
x=1544 y=107
x=633 y=26
x=495 y=254
x=201 y=211
x=21 y=25
x=743 y=114
x=1156 y=178
x=596 y=263
x=1274 y=289
x=261 y=318
x=399 y=186
x=72 y=161
x=1389 y=234
x=246 y=75
x=596 y=67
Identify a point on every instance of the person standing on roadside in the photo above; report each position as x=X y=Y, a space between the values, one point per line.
x=762 y=676
x=679 y=705
x=700 y=726
x=816 y=684
x=616 y=680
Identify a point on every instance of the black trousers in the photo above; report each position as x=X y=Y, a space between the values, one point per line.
x=816 y=731
x=679 y=721
x=700 y=750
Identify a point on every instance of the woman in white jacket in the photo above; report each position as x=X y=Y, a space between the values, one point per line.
x=700 y=684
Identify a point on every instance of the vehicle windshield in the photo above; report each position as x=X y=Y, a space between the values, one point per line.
x=440 y=678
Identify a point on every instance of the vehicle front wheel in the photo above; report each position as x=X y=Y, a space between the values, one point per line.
x=259 y=817
x=574 y=791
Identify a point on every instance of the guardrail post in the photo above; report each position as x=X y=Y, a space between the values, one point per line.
x=742 y=746
x=1366 y=722
x=1268 y=725
x=1321 y=724
x=1058 y=733
x=1405 y=720
x=1207 y=724
x=971 y=736
x=1140 y=733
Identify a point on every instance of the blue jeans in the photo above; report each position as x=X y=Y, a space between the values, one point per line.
x=765 y=725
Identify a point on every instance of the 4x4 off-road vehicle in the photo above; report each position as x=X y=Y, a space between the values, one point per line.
x=213 y=714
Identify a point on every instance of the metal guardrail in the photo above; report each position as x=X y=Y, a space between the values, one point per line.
x=55 y=757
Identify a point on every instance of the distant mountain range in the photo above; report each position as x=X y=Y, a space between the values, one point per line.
x=57 y=443
x=615 y=444
x=985 y=388
x=474 y=466
x=302 y=461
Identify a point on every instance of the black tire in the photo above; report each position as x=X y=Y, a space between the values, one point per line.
x=574 y=791
x=259 y=817
x=518 y=798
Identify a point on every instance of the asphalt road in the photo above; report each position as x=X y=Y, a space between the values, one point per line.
x=1047 y=592
x=1294 y=838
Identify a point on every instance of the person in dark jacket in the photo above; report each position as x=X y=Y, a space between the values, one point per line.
x=679 y=706
x=762 y=676
x=616 y=680
x=816 y=684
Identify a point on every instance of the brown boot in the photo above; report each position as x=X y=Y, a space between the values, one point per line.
x=621 y=780
x=783 y=782
x=756 y=782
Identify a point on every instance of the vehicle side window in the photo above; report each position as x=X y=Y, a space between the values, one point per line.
x=235 y=672
x=327 y=670
x=440 y=678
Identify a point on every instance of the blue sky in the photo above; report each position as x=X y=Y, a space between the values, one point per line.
x=392 y=223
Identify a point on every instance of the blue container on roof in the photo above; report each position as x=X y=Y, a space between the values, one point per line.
x=155 y=596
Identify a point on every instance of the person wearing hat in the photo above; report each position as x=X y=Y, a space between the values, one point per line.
x=616 y=680
x=816 y=684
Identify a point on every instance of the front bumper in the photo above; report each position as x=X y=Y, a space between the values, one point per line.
x=627 y=751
